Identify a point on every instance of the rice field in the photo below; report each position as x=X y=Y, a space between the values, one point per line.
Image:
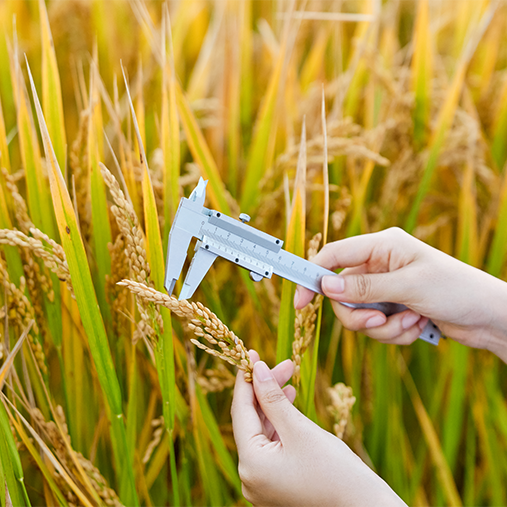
x=321 y=120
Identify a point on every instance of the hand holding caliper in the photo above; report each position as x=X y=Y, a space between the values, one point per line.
x=261 y=254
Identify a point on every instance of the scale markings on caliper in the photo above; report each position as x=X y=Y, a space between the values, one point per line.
x=219 y=235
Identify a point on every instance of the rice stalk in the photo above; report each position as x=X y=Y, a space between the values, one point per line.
x=304 y=325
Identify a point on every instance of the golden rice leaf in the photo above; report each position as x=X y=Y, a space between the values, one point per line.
x=467 y=219
x=51 y=89
x=38 y=194
x=325 y=170
x=4 y=148
x=421 y=71
x=101 y=228
x=201 y=72
x=170 y=131
x=88 y=308
x=498 y=248
x=246 y=51
x=488 y=49
x=140 y=115
x=313 y=63
x=262 y=147
x=125 y=154
x=202 y=154
x=9 y=361
x=430 y=435
x=309 y=375
x=233 y=81
x=76 y=374
x=294 y=243
x=499 y=146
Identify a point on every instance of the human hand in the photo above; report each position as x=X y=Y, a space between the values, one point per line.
x=286 y=459
x=467 y=304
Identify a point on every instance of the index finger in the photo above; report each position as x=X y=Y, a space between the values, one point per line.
x=345 y=253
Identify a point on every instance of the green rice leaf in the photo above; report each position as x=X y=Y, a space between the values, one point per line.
x=88 y=308
x=294 y=243
x=51 y=90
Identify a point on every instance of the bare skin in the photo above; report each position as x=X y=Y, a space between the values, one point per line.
x=286 y=459
x=467 y=304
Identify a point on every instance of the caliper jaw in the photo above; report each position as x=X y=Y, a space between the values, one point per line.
x=186 y=224
x=201 y=262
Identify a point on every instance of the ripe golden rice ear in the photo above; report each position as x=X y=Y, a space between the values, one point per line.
x=203 y=323
x=341 y=403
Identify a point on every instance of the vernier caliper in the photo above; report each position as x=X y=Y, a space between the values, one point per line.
x=219 y=235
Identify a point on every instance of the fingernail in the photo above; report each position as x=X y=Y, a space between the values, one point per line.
x=409 y=320
x=296 y=298
x=378 y=320
x=333 y=284
x=262 y=371
x=423 y=322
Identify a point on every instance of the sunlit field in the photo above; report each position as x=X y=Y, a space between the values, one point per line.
x=319 y=119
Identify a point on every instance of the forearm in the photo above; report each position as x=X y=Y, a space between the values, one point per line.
x=339 y=477
x=496 y=331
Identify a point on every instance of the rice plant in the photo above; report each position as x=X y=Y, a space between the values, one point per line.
x=321 y=120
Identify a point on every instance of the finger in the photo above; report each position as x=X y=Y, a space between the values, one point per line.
x=246 y=423
x=409 y=336
x=358 y=319
x=254 y=355
x=401 y=328
x=397 y=286
x=302 y=297
x=282 y=371
x=273 y=402
x=357 y=250
x=290 y=392
x=269 y=429
x=395 y=325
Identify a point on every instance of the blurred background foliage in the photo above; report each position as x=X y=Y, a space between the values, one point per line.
x=415 y=105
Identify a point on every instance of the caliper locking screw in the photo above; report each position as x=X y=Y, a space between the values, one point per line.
x=244 y=218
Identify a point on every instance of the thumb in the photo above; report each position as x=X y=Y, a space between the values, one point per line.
x=367 y=288
x=272 y=400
